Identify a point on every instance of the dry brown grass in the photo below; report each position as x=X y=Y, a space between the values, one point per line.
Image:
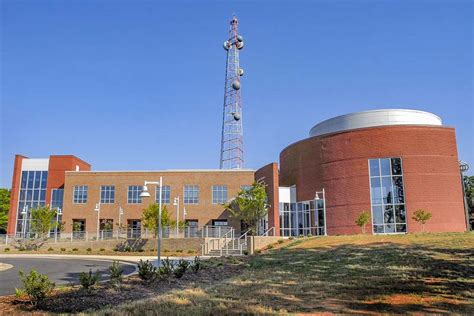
x=428 y=273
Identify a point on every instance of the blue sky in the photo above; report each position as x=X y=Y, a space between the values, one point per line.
x=139 y=84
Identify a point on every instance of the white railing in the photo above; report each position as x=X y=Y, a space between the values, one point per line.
x=217 y=232
x=267 y=233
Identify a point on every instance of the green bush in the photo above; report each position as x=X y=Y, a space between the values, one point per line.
x=50 y=249
x=270 y=246
x=309 y=235
x=181 y=268
x=258 y=251
x=190 y=251
x=146 y=270
x=166 y=270
x=166 y=250
x=89 y=280
x=63 y=249
x=6 y=249
x=102 y=249
x=179 y=250
x=291 y=238
x=75 y=249
x=280 y=241
x=196 y=265
x=89 y=249
x=116 y=273
x=301 y=236
x=245 y=252
x=141 y=250
x=36 y=285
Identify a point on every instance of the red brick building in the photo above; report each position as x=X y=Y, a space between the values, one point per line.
x=387 y=162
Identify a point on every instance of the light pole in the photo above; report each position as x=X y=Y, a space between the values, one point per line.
x=58 y=212
x=97 y=209
x=176 y=202
x=24 y=213
x=145 y=193
x=323 y=193
x=463 y=167
x=120 y=221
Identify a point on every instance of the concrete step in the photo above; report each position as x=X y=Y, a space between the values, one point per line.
x=217 y=253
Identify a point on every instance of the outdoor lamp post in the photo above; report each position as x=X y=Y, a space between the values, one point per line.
x=24 y=213
x=464 y=167
x=120 y=221
x=176 y=203
x=145 y=193
x=59 y=211
x=97 y=209
x=323 y=193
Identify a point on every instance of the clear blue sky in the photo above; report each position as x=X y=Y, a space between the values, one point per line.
x=139 y=84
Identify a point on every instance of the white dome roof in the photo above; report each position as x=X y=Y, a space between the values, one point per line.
x=375 y=118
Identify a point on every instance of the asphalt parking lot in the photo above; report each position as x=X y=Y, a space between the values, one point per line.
x=60 y=271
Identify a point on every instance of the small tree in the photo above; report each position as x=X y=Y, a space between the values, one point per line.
x=43 y=220
x=421 y=216
x=36 y=285
x=150 y=217
x=249 y=206
x=362 y=220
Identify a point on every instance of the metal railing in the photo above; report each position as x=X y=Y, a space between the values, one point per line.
x=130 y=233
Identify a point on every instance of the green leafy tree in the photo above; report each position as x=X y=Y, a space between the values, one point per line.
x=421 y=216
x=43 y=220
x=249 y=206
x=4 y=207
x=469 y=186
x=150 y=217
x=362 y=220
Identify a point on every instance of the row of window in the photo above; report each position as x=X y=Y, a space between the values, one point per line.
x=190 y=194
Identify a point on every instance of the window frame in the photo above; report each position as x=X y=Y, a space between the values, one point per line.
x=195 y=200
x=222 y=199
x=84 y=192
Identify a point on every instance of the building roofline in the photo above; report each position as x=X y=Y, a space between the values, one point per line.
x=164 y=171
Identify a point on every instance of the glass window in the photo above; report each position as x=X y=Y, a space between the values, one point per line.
x=219 y=194
x=165 y=194
x=80 y=194
x=191 y=194
x=134 y=192
x=219 y=222
x=374 y=168
x=24 y=178
x=107 y=194
x=245 y=187
x=57 y=196
x=385 y=167
x=388 y=196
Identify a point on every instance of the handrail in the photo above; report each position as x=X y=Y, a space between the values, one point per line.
x=268 y=231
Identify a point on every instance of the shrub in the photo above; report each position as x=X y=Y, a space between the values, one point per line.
x=36 y=285
x=146 y=270
x=245 y=252
x=258 y=251
x=280 y=241
x=102 y=249
x=89 y=280
x=166 y=250
x=6 y=249
x=89 y=249
x=421 y=216
x=181 y=268
x=190 y=251
x=75 y=249
x=291 y=238
x=166 y=270
x=141 y=250
x=301 y=236
x=270 y=246
x=309 y=235
x=179 y=250
x=63 y=249
x=196 y=265
x=362 y=220
x=50 y=249
x=116 y=273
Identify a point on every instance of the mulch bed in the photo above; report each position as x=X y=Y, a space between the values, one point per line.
x=74 y=299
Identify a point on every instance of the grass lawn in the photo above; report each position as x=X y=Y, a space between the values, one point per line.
x=427 y=273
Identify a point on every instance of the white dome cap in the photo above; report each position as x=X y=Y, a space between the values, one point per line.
x=375 y=118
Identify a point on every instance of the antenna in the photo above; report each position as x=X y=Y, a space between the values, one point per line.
x=232 y=153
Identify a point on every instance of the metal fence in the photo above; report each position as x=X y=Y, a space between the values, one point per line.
x=131 y=233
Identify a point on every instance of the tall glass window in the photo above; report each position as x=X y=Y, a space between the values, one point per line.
x=219 y=194
x=32 y=195
x=165 y=194
x=133 y=196
x=80 y=194
x=191 y=194
x=387 y=196
x=107 y=194
x=57 y=198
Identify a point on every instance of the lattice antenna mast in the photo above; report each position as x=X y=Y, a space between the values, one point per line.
x=232 y=142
